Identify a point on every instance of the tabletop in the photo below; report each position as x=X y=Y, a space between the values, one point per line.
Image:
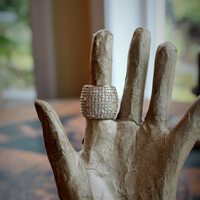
x=25 y=172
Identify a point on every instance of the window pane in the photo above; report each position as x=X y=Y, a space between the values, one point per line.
x=17 y=79
x=183 y=29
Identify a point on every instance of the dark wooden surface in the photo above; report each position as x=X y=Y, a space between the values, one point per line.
x=25 y=173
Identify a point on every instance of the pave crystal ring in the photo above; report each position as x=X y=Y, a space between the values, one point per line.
x=99 y=102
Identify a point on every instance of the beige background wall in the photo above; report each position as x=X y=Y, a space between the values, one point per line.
x=71 y=30
x=62 y=36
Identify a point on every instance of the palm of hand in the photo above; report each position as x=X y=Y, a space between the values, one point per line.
x=124 y=158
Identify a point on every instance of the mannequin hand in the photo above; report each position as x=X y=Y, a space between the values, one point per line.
x=124 y=158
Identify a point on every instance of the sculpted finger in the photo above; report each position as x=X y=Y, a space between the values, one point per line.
x=165 y=63
x=187 y=130
x=61 y=154
x=138 y=58
x=101 y=58
x=99 y=100
x=96 y=101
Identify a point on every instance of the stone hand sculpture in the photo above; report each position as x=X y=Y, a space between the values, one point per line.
x=125 y=158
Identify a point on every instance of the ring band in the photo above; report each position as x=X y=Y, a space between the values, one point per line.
x=99 y=102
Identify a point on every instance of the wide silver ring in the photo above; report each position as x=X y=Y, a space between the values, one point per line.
x=99 y=102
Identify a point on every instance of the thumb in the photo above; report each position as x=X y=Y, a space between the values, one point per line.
x=62 y=156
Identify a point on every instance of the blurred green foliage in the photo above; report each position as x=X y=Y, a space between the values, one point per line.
x=187 y=10
x=6 y=45
x=15 y=46
x=20 y=7
x=186 y=14
x=183 y=29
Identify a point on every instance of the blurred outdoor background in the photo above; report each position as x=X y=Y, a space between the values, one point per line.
x=182 y=27
x=21 y=78
x=16 y=58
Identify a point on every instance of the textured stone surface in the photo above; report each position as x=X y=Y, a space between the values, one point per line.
x=125 y=158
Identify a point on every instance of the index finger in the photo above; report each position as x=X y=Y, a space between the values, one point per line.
x=99 y=100
x=101 y=58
